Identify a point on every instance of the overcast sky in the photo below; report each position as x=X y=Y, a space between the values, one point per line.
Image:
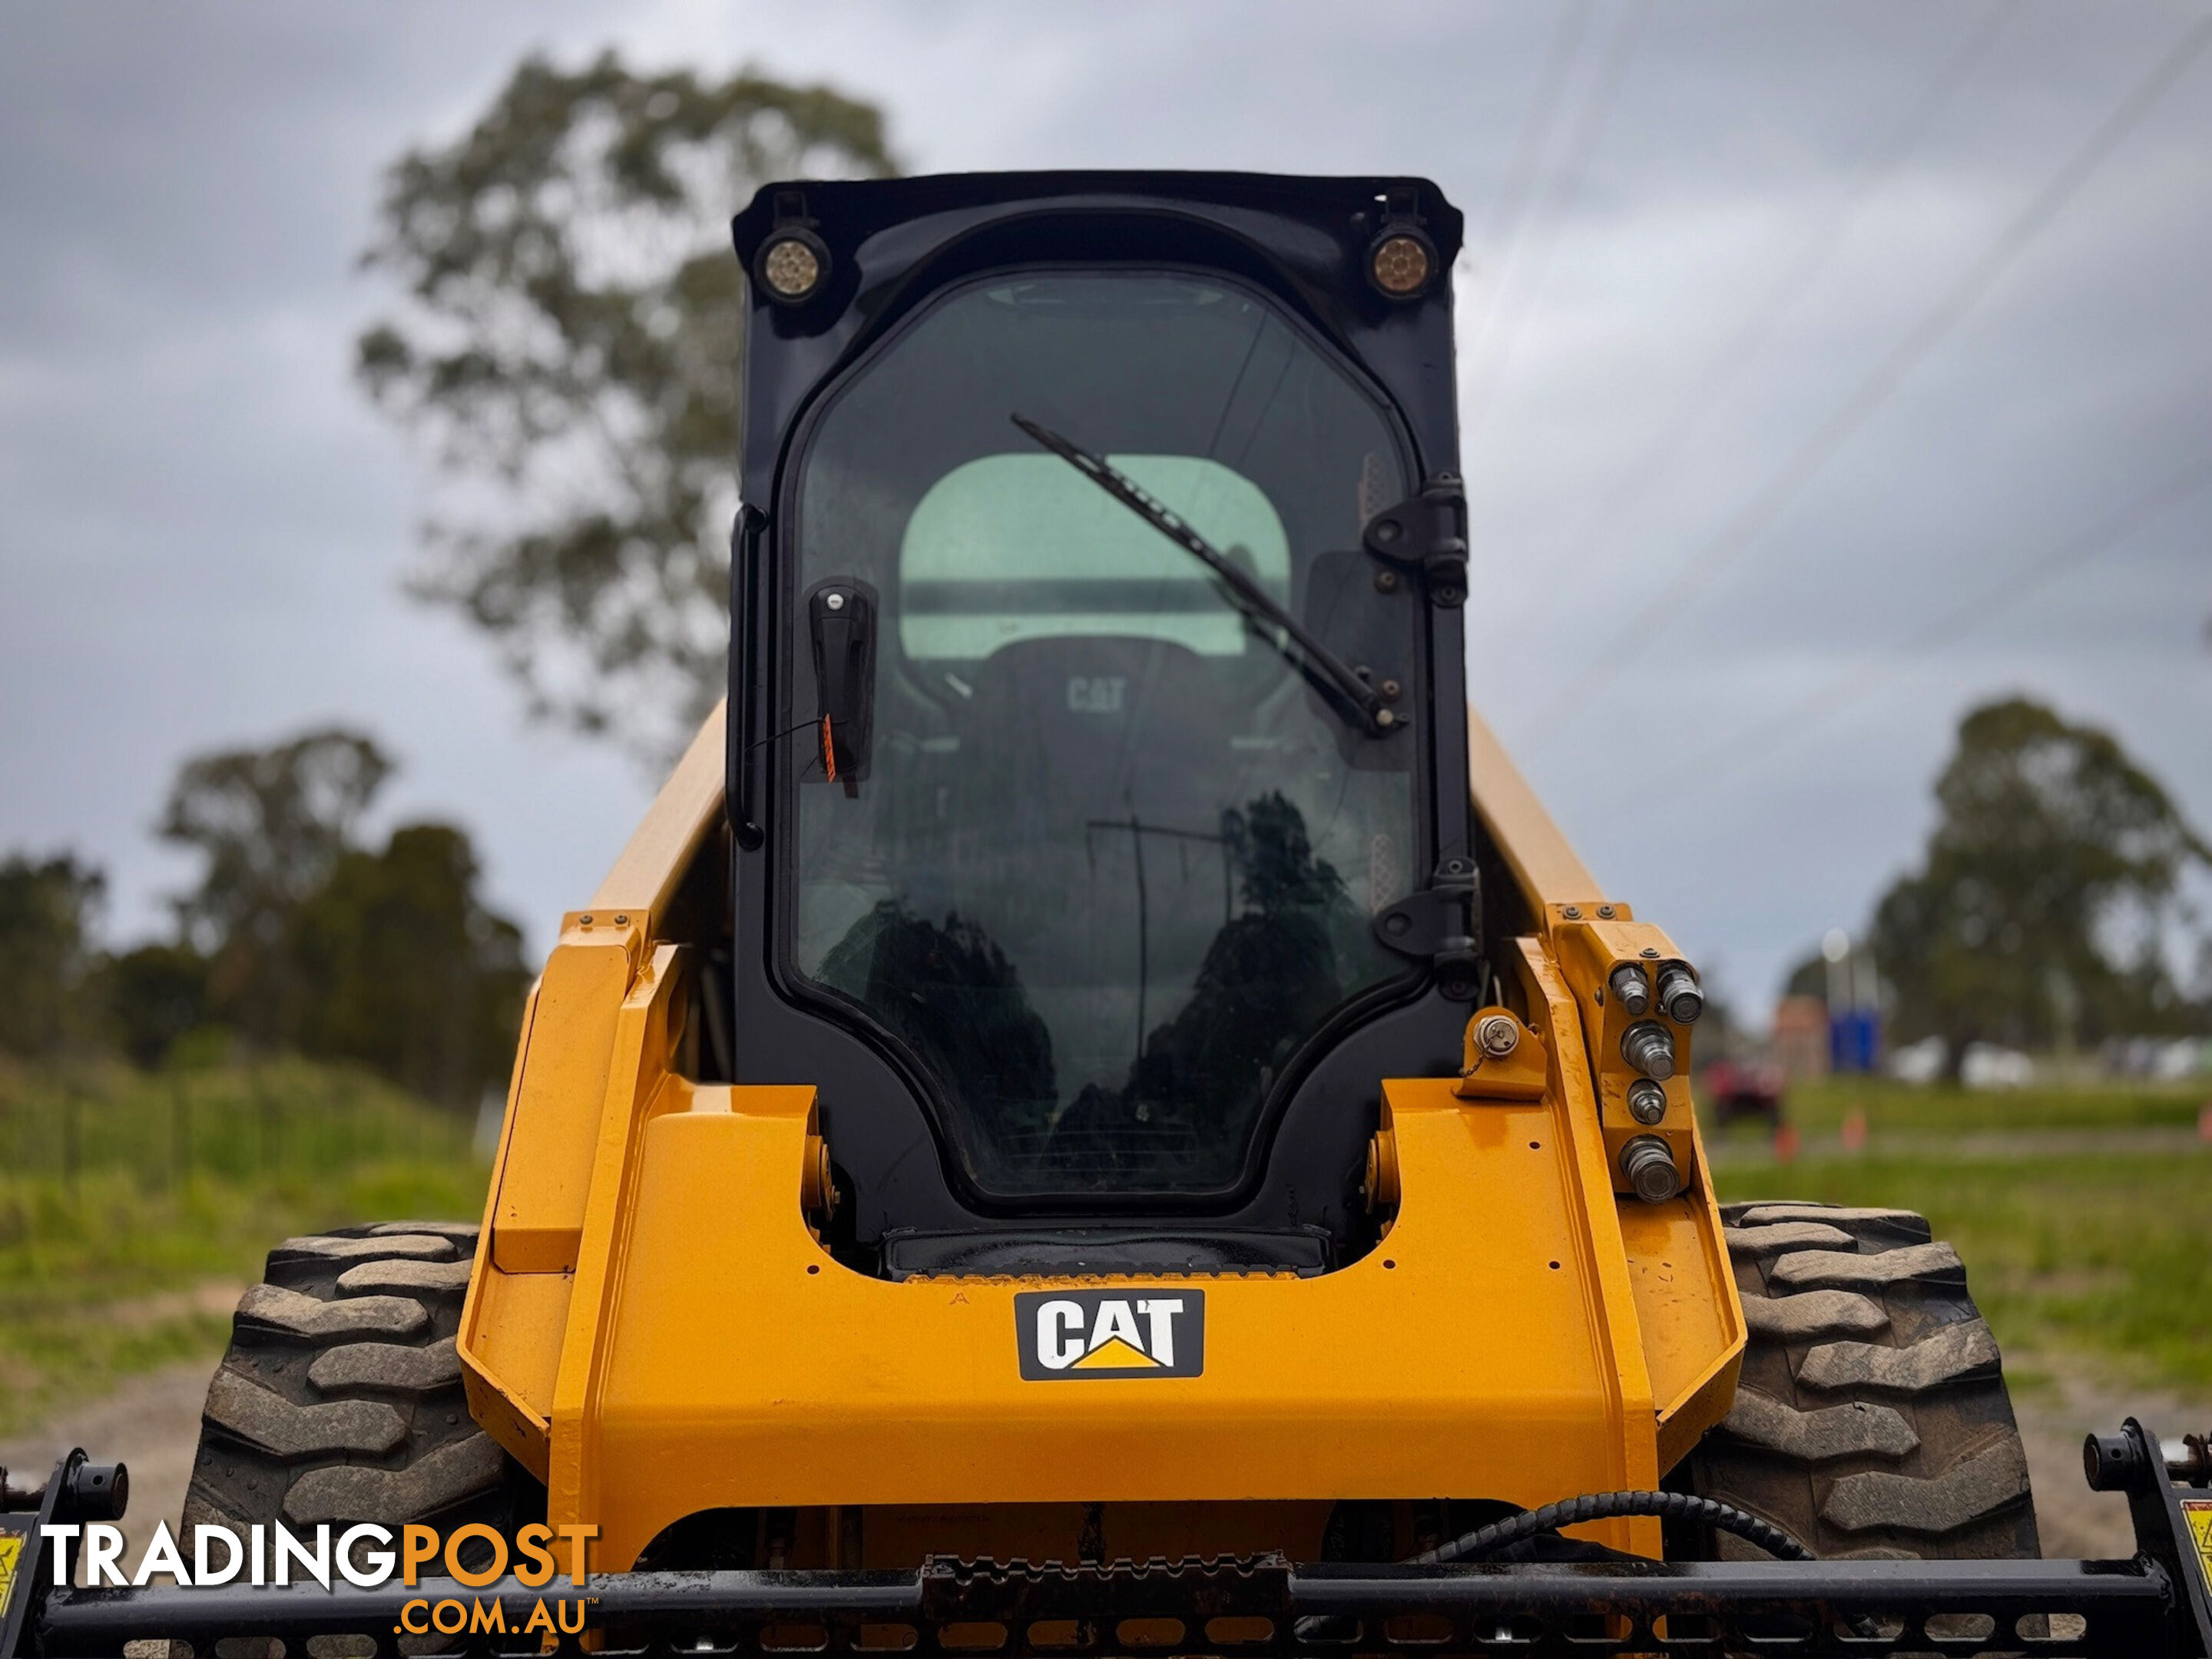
x=1826 y=369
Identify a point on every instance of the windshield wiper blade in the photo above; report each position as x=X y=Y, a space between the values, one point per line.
x=1341 y=686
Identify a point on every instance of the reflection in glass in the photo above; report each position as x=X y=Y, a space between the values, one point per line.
x=1113 y=860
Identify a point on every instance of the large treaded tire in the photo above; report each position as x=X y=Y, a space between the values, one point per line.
x=1872 y=1419
x=340 y=1397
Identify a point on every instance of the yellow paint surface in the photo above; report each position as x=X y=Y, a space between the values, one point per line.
x=654 y=1329
x=544 y=1177
x=745 y=1366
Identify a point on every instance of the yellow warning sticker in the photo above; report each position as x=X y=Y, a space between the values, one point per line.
x=11 y=1551
x=2197 y=1513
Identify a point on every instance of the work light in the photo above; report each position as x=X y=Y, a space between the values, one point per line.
x=1401 y=264
x=791 y=265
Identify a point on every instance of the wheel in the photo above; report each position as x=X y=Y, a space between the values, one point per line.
x=1871 y=1419
x=340 y=1399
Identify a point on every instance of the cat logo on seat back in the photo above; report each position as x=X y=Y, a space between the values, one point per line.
x=1157 y=1330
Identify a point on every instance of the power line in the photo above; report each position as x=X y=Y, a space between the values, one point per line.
x=1490 y=366
x=2016 y=585
x=1720 y=554
x=1528 y=146
x=1703 y=395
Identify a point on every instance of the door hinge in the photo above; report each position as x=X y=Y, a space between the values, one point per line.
x=1426 y=533
x=1437 y=924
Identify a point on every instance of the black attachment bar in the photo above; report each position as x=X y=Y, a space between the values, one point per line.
x=1258 y=1605
x=2135 y=1461
x=77 y=1490
x=2152 y=1606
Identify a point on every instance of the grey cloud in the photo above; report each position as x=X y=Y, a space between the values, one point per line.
x=205 y=527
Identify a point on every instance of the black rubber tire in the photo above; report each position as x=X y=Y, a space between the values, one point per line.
x=340 y=1397
x=1871 y=1419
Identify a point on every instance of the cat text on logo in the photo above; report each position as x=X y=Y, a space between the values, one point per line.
x=1063 y=1335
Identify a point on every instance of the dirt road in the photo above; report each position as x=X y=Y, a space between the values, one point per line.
x=152 y=1422
x=2072 y=1520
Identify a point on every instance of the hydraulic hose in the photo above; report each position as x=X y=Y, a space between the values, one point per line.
x=1605 y=1505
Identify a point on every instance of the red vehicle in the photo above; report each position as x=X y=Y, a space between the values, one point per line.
x=1742 y=1088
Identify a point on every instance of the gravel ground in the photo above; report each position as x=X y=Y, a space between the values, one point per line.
x=2072 y=1520
x=152 y=1422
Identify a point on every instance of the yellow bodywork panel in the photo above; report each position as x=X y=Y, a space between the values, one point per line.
x=645 y=878
x=743 y=1365
x=1686 y=1305
x=544 y=1177
x=514 y=1325
x=1545 y=867
x=655 y=1327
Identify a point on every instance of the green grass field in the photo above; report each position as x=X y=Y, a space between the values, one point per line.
x=1820 y=1107
x=124 y=1197
x=2101 y=1249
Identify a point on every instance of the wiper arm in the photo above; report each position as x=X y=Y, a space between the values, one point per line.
x=1342 y=687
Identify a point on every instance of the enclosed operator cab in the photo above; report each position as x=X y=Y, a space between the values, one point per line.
x=1099 y=753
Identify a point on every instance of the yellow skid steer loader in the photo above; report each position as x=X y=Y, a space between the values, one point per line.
x=1098 y=1113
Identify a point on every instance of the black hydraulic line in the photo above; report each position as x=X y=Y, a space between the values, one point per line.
x=1604 y=1506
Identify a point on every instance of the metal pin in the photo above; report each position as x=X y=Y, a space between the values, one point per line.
x=1650 y=1169
x=1647 y=1101
x=1631 y=989
x=1649 y=1048
x=1679 y=999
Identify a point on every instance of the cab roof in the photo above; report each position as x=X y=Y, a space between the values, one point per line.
x=888 y=244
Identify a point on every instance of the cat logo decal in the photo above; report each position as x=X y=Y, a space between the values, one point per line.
x=1067 y=1335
